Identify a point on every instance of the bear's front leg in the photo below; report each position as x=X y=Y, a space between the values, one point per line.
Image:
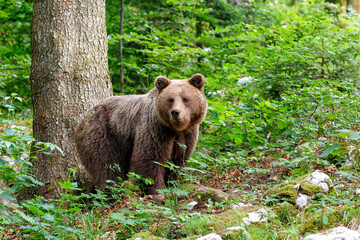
x=148 y=167
x=148 y=152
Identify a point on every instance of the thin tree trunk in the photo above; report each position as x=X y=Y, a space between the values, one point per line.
x=69 y=74
x=199 y=31
x=121 y=46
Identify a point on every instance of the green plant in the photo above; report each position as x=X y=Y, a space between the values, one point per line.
x=135 y=219
x=15 y=141
x=140 y=181
x=172 y=197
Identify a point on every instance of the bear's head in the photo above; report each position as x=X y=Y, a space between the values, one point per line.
x=181 y=104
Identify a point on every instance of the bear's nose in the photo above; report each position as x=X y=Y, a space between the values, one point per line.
x=175 y=113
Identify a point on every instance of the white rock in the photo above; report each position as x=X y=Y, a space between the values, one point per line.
x=257 y=216
x=211 y=236
x=246 y=221
x=240 y=205
x=235 y=228
x=302 y=200
x=339 y=233
x=190 y=205
x=244 y=80
x=351 y=157
x=320 y=179
x=324 y=186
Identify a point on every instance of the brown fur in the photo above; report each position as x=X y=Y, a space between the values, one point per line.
x=135 y=131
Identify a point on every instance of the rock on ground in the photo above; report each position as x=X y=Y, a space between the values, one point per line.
x=240 y=205
x=320 y=179
x=303 y=200
x=339 y=233
x=211 y=236
x=235 y=228
x=257 y=216
x=204 y=193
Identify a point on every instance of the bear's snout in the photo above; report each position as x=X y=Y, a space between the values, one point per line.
x=175 y=114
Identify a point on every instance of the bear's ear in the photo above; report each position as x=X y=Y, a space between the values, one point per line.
x=162 y=82
x=197 y=80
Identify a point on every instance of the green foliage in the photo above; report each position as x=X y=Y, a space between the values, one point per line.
x=58 y=219
x=293 y=56
x=132 y=221
x=15 y=18
x=14 y=146
x=168 y=38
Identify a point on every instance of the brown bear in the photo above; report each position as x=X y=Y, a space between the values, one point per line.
x=140 y=133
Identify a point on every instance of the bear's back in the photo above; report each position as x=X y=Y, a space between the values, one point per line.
x=128 y=112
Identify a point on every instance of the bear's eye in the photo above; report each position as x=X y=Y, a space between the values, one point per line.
x=171 y=100
x=185 y=100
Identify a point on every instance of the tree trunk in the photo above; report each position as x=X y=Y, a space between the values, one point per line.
x=356 y=5
x=69 y=74
x=121 y=47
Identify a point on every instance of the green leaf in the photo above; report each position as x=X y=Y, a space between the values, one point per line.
x=26 y=217
x=354 y=137
x=330 y=150
x=75 y=209
x=282 y=124
x=3 y=162
x=10 y=131
x=3 y=14
x=255 y=143
x=7 y=196
x=69 y=185
x=49 y=217
x=123 y=219
x=242 y=153
x=36 y=210
x=296 y=171
x=47 y=153
x=238 y=141
x=325 y=219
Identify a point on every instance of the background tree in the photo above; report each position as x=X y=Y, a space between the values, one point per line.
x=121 y=46
x=355 y=4
x=69 y=74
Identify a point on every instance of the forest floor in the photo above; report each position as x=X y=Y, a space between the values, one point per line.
x=249 y=187
x=233 y=180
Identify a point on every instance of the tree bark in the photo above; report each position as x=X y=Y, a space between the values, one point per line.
x=356 y=5
x=69 y=74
